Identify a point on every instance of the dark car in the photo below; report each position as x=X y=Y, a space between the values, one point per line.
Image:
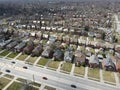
x=45 y=78
x=25 y=67
x=7 y=71
x=13 y=62
x=73 y=86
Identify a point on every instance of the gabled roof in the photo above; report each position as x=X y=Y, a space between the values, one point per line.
x=94 y=59
x=108 y=62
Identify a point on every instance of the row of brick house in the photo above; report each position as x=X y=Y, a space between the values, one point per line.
x=29 y=47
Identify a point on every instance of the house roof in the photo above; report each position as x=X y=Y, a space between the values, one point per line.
x=94 y=59
x=108 y=61
x=57 y=52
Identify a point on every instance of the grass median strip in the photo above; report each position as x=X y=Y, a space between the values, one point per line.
x=49 y=88
x=9 y=76
x=66 y=67
x=4 y=53
x=79 y=70
x=3 y=82
x=32 y=59
x=20 y=86
x=12 y=55
x=108 y=76
x=22 y=57
x=94 y=73
x=42 y=61
x=118 y=74
x=54 y=64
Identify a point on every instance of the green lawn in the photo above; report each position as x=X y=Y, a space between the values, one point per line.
x=54 y=64
x=9 y=76
x=0 y=73
x=43 y=61
x=19 y=86
x=21 y=80
x=3 y=82
x=49 y=88
x=66 y=66
x=94 y=73
x=4 y=53
x=79 y=70
x=118 y=74
x=36 y=84
x=12 y=55
x=108 y=76
x=33 y=83
x=22 y=57
x=32 y=59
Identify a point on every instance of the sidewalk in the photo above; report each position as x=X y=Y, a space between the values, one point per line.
x=60 y=66
x=72 y=70
x=2 y=51
x=37 y=60
x=5 y=88
x=86 y=72
x=116 y=79
x=7 y=55
x=101 y=76
x=27 y=58
x=17 y=56
x=42 y=87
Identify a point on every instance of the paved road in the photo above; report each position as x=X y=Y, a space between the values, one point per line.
x=55 y=79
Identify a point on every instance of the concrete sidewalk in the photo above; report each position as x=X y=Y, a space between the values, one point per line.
x=5 y=88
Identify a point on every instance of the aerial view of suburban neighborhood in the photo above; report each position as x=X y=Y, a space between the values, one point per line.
x=59 y=44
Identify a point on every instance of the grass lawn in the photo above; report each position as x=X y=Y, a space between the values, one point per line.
x=0 y=73
x=4 y=53
x=32 y=59
x=3 y=82
x=94 y=73
x=33 y=83
x=9 y=76
x=79 y=70
x=19 y=86
x=21 y=80
x=12 y=55
x=36 y=84
x=22 y=57
x=54 y=64
x=108 y=76
x=43 y=61
x=66 y=66
x=118 y=74
x=49 y=88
